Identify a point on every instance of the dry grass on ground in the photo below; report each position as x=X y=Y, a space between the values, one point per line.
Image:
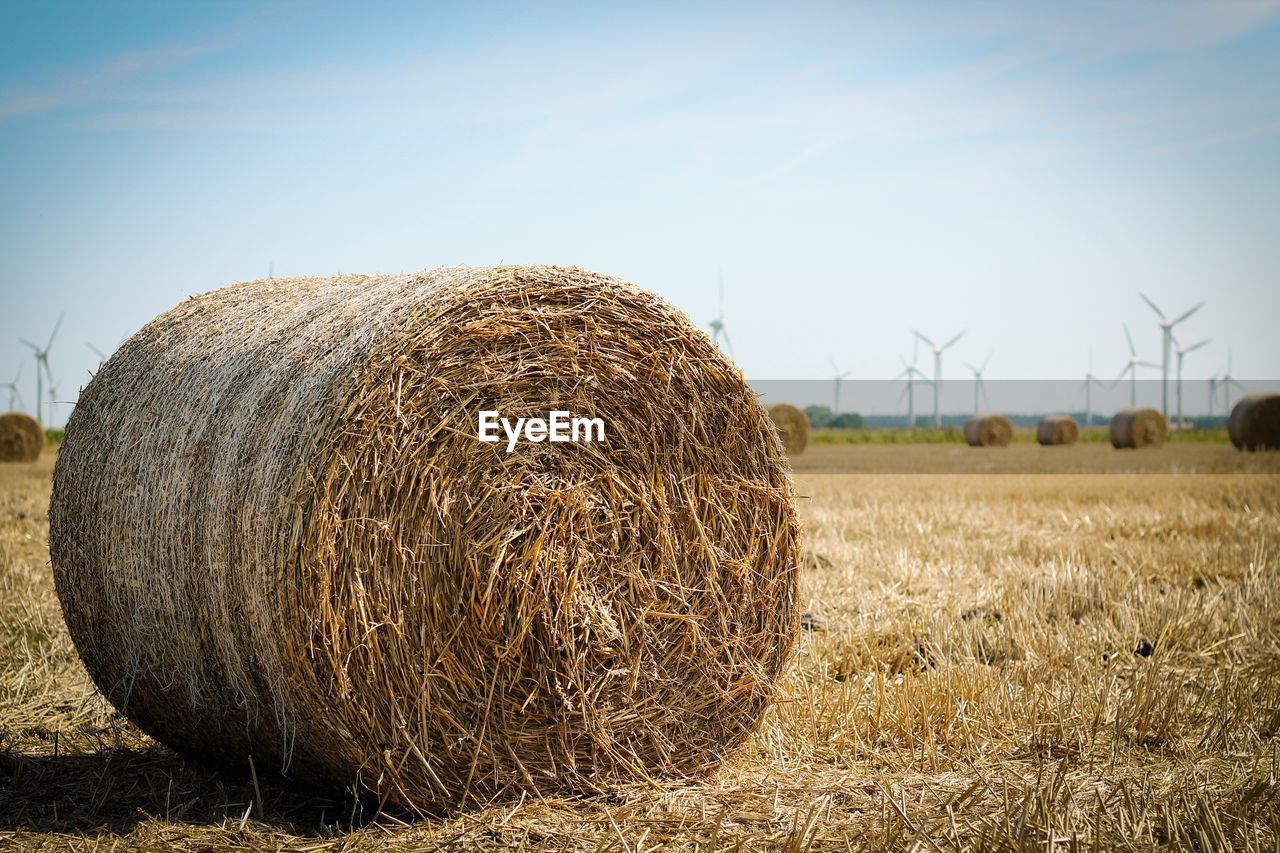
x=1023 y=661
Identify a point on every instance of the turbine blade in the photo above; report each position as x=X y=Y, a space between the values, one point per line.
x=28 y=343
x=1128 y=337
x=956 y=338
x=987 y=360
x=1188 y=314
x=831 y=361
x=1159 y=313
x=923 y=338
x=728 y=343
x=1195 y=347
x=1147 y=364
x=56 y=327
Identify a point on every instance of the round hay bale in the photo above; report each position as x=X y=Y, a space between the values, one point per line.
x=275 y=533
x=21 y=438
x=1133 y=428
x=793 y=427
x=988 y=431
x=1255 y=422
x=1057 y=429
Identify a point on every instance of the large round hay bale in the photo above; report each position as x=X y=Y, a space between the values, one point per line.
x=275 y=533
x=21 y=438
x=793 y=427
x=988 y=431
x=1137 y=428
x=1057 y=429
x=1255 y=423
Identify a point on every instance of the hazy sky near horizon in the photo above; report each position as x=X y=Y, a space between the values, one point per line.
x=1020 y=170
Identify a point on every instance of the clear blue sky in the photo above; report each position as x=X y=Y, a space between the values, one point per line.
x=855 y=170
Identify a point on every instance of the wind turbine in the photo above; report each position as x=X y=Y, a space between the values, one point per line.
x=978 y=386
x=718 y=329
x=14 y=393
x=1226 y=382
x=911 y=374
x=835 y=401
x=1166 y=342
x=1089 y=381
x=102 y=356
x=42 y=364
x=1182 y=352
x=937 y=370
x=1131 y=368
x=53 y=399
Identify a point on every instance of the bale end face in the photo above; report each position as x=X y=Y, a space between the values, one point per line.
x=988 y=431
x=1138 y=428
x=21 y=438
x=1057 y=430
x=1255 y=423
x=792 y=425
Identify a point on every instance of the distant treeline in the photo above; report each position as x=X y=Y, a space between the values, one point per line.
x=821 y=417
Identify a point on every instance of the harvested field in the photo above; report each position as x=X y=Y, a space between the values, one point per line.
x=1007 y=661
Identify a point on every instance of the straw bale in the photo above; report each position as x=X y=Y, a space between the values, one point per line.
x=1057 y=429
x=275 y=534
x=793 y=427
x=1136 y=428
x=21 y=438
x=988 y=431
x=1255 y=422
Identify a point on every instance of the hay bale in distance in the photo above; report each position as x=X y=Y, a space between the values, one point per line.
x=21 y=438
x=988 y=431
x=1255 y=422
x=303 y=553
x=1057 y=429
x=793 y=427
x=1136 y=428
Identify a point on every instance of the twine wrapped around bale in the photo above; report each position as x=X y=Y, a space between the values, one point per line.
x=21 y=438
x=1057 y=429
x=275 y=534
x=1255 y=422
x=793 y=427
x=988 y=431
x=1136 y=428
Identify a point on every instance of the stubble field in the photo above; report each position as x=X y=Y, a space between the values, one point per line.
x=1028 y=660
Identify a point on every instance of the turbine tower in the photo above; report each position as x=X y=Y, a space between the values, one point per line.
x=837 y=379
x=14 y=393
x=978 y=386
x=1131 y=368
x=1089 y=381
x=1226 y=382
x=718 y=329
x=1181 y=352
x=937 y=370
x=42 y=365
x=912 y=375
x=1166 y=343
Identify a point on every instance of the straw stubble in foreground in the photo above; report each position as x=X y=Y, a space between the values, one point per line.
x=1010 y=661
x=276 y=535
